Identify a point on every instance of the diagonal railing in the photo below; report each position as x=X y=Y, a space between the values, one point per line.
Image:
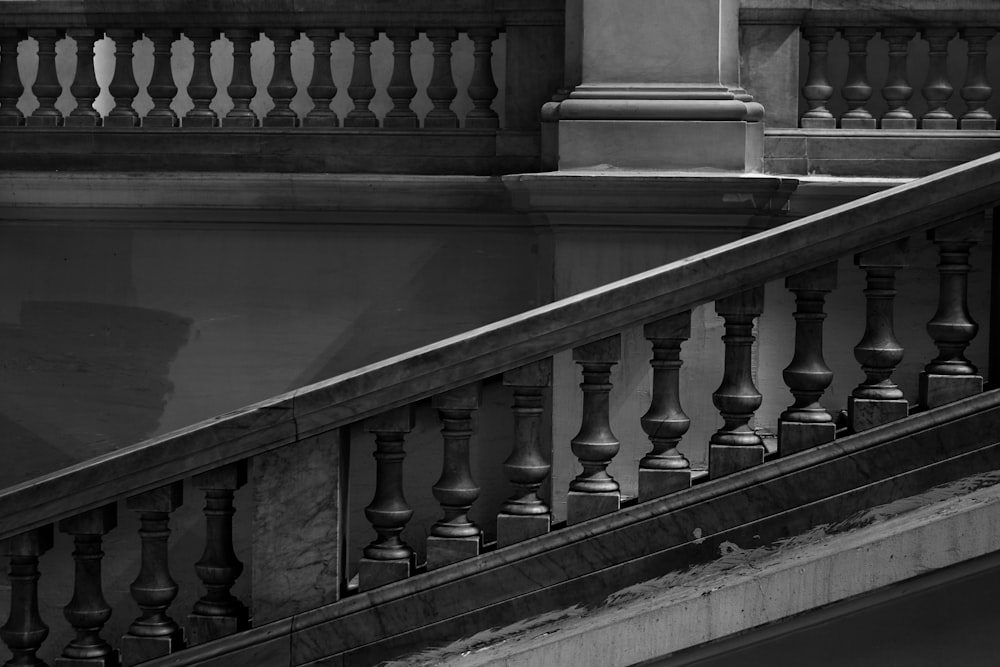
x=82 y=499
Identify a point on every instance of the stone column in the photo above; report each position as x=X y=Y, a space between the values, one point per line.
x=660 y=90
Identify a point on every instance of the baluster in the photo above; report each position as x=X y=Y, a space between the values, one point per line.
x=524 y=515
x=218 y=613
x=24 y=631
x=202 y=88
x=950 y=376
x=388 y=558
x=856 y=90
x=153 y=634
x=664 y=469
x=441 y=89
x=46 y=87
x=10 y=80
x=321 y=88
x=482 y=87
x=736 y=446
x=84 y=88
x=361 y=88
x=455 y=537
x=805 y=423
x=282 y=87
x=818 y=90
x=897 y=90
x=594 y=491
x=123 y=86
x=241 y=88
x=401 y=88
x=877 y=400
x=977 y=91
x=88 y=611
x=161 y=88
x=937 y=89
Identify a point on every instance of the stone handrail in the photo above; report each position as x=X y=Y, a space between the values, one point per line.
x=81 y=498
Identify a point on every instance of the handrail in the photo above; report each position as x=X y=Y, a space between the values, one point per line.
x=791 y=248
x=870 y=12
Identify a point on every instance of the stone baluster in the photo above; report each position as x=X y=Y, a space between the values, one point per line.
x=388 y=558
x=24 y=631
x=594 y=492
x=321 y=88
x=153 y=634
x=88 y=611
x=736 y=446
x=84 y=87
x=977 y=91
x=950 y=376
x=482 y=87
x=878 y=400
x=10 y=80
x=161 y=88
x=664 y=469
x=361 y=89
x=857 y=91
x=202 y=88
x=897 y=90
x=241 y=88
x=218 y=613
x=46 y=87
x=455 y=537
x=525 y=515
x=401 y=87
x=441 y=89
x=805 y=423
x=937 y=88
x=282 y=87
x=818 y=90
x=123 y=86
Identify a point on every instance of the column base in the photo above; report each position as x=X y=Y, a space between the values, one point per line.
x=374 y=573
x=239 y=121
x=899 y=123
x=121 y=121
x=726 y=145
x=201 y=629
x=977 y=124
x=110 y=660
x=857 y=123
x=443 y=551
x=280 y=121
x=727 y=459
x=582 y=506
x=160 y=121
x=656 y=483
x=939 y=124
x=200 y=121
x=83 y=121
x=938 y=390
x=140 y=649
x=43 y=121
x=796 y=437
x=866 y=413
x=514 y=528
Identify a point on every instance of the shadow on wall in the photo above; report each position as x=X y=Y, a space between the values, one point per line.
x=102 y=368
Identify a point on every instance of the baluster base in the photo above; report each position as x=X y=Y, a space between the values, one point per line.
x=321 y=120
x=140 y=649
x=818 y=123
x=357 y=119
x=203 y=629
x=443 y=121
x=201 y=121
x=939 y=124
x=857 y=123
x=978 y=124
x=11 y=121
x=727 y=459
x=866 y=413
x=656 y=483
x=43 y=121
x=581 y=506
x=280 y=121
x=374 y=573
x=121 y=121
x=937 y=390
x=443 y=551
x=109 y=660
x=84 y=121
x=899 y=123
x=405 y=122
x=160 y=121
x=514 y=528
x=796 y=437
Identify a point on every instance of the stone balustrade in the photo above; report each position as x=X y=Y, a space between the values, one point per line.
x=295 y=447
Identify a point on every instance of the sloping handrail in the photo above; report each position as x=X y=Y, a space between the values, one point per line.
x=790 y=248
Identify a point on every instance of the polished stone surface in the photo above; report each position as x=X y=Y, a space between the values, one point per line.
x=938 y=390
x=863 y=413
x=794 y=437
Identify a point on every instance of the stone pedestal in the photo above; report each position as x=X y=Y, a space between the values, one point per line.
x=512 y=528
x=374 y=573
x=201 y=628
x=581 y=506
x=727 y=459
x=863 y=413
x=656 y=483
x=443 y=551
x=936 y=390
x=796 y=437
x=660 y=90
x=135 y=650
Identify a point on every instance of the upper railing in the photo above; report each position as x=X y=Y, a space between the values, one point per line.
x=309 y=422
x=452 y=87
